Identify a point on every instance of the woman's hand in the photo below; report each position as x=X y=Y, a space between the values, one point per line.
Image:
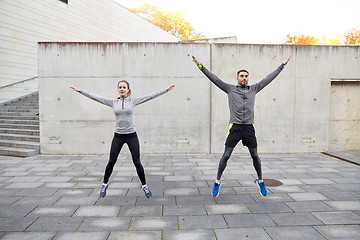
x=75 y=89
x=170 y=88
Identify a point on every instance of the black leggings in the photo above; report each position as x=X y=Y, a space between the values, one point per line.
x=117 y=143
x=227 y=153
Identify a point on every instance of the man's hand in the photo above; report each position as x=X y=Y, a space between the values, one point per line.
x=287 y=60
x=194 y=59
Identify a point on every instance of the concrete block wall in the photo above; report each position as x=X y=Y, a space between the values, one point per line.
x=71 y=123
x=291 y=114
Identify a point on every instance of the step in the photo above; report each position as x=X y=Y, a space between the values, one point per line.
x=18 y=104
x=19 y=131
x=21 y=122
x=20 y=126
x=19 y=108
x=18 y=152
x=19 y=144
x=19 y=117
x=15 y=114
x=17 y=137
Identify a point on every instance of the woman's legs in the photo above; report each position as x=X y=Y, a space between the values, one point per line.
x=134 y=147
x=116 y=145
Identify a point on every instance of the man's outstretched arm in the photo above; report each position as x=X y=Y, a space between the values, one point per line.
x=213 y=78
x=269 y=78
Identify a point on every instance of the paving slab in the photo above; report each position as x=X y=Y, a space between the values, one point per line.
x=294 y=233
x=189 y=234
x=15 y=224
x=249 y=220
x=135 y=235
x=202 y=222
x=105 y=224
x=294 y=219
x=28 y=236
x=97 y=211
x=153 y=223
x=340 y=231
x=241 y=234
x=82 y=236
x=338 y=217
x=55 y=224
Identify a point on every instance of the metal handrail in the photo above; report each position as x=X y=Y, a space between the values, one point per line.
x=11 y=84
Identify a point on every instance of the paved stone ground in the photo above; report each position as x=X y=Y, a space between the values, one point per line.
x=56 y=197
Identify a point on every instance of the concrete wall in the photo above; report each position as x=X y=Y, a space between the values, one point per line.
x=175 y=122
x=291 y=114
x=24 y=23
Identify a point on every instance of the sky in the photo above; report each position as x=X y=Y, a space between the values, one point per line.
x=263 y=21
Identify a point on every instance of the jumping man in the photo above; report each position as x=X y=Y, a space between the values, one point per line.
x=241 y=98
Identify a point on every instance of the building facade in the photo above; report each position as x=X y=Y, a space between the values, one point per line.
x=25 y=23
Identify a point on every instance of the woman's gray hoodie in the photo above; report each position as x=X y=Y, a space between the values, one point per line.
x=124 y=108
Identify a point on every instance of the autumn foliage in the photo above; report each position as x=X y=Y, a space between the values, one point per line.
x=352 y=37
x=173 y=23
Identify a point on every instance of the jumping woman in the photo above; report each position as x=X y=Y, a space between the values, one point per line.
x=125 y=132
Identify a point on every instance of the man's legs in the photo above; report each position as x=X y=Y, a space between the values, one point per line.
x=257 y=165
x=222 y=165
x=256 y=162
x=223 y=162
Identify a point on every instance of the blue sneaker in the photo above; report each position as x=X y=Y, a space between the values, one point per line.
x=215 y=190
x=262 y=188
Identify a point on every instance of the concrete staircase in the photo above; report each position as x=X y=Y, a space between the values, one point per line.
x=19 y=127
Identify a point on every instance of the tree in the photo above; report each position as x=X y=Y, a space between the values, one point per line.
x=352 y=37
x=173 y=23
x=302 y=40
